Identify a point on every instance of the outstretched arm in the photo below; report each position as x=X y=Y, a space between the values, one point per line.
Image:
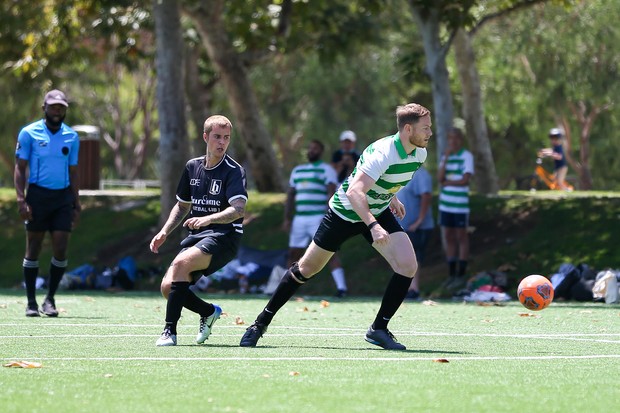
x=178 y=212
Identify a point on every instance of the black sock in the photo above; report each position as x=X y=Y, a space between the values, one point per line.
x=57 y=270
x=286 y=289
x=197 y=305
x=462 y=267
x=31 y=272
x=176 y=300
x=392 y=299
x=452 y=267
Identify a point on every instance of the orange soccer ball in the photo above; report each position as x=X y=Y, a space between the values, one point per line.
x=535 y=292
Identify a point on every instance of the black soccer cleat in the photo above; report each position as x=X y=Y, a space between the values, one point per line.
x=252 y=334
x=384 y=339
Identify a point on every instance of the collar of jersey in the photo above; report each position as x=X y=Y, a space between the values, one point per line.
x=204 y=163
x=400 y=148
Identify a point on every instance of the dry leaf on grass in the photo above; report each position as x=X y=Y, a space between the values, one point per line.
x=24 y=364
x=107 y=376
x=528 y=315
x=429 y=302
x=3 y=306
x=304 y=309
x=441 y=361
x=299 y=299
x=294 y=373
x=324 y=304
x=239 y=321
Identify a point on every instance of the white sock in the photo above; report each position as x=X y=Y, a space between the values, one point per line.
x=338 y=275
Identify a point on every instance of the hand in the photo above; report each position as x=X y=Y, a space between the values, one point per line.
x=380 y=237
x=25 y=212
x=157 y=241
x=77 y=210
x=397 y=208
x=196 y=222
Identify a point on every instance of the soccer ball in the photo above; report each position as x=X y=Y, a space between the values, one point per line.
x=535 y=292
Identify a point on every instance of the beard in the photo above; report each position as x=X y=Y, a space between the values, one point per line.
x=54 y=121
x=313 y=158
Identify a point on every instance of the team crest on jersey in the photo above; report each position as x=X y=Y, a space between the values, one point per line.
x=215 y=187
x=394 y=189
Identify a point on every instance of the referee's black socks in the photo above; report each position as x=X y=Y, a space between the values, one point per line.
x=290 y=282
x=393 y=297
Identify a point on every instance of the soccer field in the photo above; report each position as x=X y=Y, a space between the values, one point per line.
x=99 y=355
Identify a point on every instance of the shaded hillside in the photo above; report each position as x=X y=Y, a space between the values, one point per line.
x=519 y=232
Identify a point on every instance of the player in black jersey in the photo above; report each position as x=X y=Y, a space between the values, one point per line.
x=213 y=191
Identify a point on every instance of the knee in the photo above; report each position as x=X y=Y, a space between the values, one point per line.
x=406 y=269
x=165 y=288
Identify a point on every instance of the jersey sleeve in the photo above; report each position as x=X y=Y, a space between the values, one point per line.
x=330 y=175
x=22 y=151
x=373 y=162
x=236 y=185
x=183 y=189
x=469 y=163
x=75 y=150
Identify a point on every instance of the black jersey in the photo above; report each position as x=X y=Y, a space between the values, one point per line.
x=210 y=190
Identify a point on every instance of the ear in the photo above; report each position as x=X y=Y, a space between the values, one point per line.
x=205 y=137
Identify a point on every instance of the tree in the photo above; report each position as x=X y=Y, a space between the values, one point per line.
x=170 y=95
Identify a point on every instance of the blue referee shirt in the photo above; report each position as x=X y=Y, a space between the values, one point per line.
x=49 y=155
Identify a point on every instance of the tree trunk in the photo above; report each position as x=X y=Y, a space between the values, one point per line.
x=199 y=97
x=435 y=53
x=173 y=130
x=264 y=167
x=485 y=176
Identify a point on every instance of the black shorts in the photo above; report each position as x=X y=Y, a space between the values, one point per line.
x=453 y=220
x=334 y=231
x=52 y=209
x=221 y=245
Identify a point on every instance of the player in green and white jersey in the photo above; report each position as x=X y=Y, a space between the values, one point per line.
x=365 y=204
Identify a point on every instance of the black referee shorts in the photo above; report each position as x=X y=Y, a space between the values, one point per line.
x=334 y=231
x=221 y=245
x=52 y=209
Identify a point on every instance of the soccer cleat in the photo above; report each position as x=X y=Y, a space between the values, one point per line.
x=32 y=310
x=252 y=334
x=341 y=293
x=384 y=339
x=206 y=324
x=166 y=339
x=49 y=308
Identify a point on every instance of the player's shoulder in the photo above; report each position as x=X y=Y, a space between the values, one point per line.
x=231 y=163
x=193 y=162
x=34 y=127
x=68 y=131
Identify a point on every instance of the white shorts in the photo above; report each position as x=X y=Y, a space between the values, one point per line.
x=303 y=228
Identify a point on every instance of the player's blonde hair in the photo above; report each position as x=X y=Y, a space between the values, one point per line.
x=216 y=120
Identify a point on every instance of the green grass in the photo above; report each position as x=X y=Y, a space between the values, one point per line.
x=99 y=356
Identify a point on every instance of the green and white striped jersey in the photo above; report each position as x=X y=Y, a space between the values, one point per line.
x=310 y=181
x=455 y=199
x=385 y=161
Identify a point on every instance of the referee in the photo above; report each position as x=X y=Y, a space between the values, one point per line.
x=46 y=158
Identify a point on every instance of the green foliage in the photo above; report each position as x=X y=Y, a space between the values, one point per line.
x=545 y=59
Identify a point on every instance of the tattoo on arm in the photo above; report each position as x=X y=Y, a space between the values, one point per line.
x=235 y=211
x=179 y=211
